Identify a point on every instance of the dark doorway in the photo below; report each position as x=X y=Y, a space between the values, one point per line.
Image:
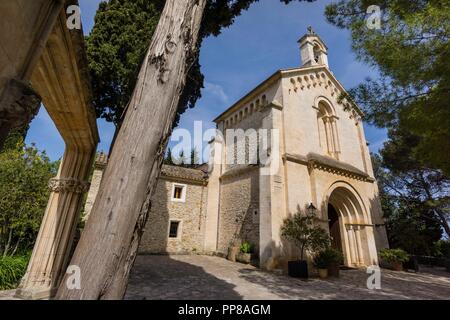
x=333 y=224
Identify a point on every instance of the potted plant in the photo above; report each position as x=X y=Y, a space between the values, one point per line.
x=300 y=230
x=322 y=261
x=233 y=250
x=327 y=262
x=336 y=259
x=245 y=254
x=394 y=257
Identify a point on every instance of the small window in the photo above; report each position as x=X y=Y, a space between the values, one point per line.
x=173 y=231
x=179 y=192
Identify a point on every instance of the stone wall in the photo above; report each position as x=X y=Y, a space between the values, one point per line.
x=190 y=213
x=239 y=209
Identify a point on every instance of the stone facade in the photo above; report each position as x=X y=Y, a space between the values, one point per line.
x=320 y=157
x=239 y=209
x=288 y=145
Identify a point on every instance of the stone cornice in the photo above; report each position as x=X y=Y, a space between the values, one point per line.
x=327 y=164
x=184 y=180
x=68 y=185
x=184 y=174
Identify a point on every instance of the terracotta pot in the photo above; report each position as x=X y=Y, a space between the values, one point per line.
x=397 y=266
x=232 y=253
x=244 y=257
x=323 y=273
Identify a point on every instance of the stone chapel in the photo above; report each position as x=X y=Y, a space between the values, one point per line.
x=322 y=163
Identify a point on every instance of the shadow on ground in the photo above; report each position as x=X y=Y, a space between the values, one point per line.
x=162 y=278
x=205 y=277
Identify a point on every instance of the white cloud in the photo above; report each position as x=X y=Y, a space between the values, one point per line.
x=216 y=90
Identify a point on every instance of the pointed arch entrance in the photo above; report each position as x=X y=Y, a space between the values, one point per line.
x=350 y=226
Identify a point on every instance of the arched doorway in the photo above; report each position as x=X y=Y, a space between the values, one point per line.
x=350 y=227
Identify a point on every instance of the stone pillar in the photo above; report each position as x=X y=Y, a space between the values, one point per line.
x=266 y=242
x=101 y=160
x=359 y=245
x=345 y=242
x=352 y=245
x=213 y=198
x=272 y=208
x=337 y=146
x=328 y=136
x=373 y=255
x=53 y=245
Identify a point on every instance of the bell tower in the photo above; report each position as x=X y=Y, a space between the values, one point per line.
x=313 y=50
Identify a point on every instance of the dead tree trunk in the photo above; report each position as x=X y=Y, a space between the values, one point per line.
x=108 y=245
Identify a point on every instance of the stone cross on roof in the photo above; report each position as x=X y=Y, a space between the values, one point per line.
x=311 y=31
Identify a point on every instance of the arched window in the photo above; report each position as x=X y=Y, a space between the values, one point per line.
x=317 y=54
x=328 y=134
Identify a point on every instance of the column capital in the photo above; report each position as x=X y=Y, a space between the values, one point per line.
x=68 y=185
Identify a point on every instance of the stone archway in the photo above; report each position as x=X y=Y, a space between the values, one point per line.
x=350 y=226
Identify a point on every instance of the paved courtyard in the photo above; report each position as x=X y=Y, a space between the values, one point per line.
x=205 y=277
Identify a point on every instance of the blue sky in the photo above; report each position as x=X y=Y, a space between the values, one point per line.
x=261 y=41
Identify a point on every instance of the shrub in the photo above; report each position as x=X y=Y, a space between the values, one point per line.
x=12 y=269
x=327 y=257
x=246 y=247
x=394 y=255
x=441 y=249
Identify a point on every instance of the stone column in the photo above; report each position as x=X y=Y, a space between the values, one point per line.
x=345 y=240
x=353 y=245
x=328 y=135
x=337 y=146
x=53 y=245
x=101 y=160
x=359 y=245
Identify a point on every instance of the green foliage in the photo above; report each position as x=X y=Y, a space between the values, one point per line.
x=327 y=257
x=442 y=249
x=415 y=199
x=394 y=255
x=182 y=160
x=15 y=138
x=195 y=160
x=300 y=230
x=168 y=159
x=120 y=38
x=246 y=247
x=116 y=48
x=12 y=269
x=24 y=175
x=411 y=52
